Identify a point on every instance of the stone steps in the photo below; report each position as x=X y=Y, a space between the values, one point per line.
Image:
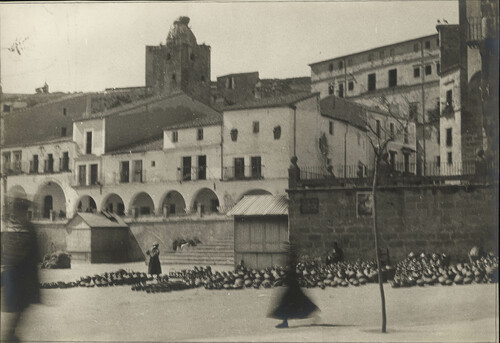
x=219 y=252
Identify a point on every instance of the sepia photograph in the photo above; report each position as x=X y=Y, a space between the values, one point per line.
x=249 y=171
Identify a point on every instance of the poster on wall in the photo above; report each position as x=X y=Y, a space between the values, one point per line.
x=364 y=204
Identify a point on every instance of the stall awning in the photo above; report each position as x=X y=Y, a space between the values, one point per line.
x=261 y=205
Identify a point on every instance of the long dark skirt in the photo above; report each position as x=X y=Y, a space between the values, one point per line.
x=154 y=267
x=293 y=304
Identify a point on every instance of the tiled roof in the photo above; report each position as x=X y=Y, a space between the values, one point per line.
x=150 y=144
x=37 y=143
x=344 y=110
x=260 y=205
x=207 y=120
x=278 y=101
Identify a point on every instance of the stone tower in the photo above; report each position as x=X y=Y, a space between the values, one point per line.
x=180 y=64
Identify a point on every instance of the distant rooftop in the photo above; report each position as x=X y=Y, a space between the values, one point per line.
x=207 y=120
x=277 y=101
x=344 y=110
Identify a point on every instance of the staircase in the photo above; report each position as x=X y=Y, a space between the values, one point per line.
x=217 y=252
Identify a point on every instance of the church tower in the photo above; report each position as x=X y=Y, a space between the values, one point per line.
x=179 y=65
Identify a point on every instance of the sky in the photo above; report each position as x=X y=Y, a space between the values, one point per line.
x=86 y=47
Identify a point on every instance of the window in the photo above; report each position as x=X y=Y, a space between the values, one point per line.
x=124 y=171
x=88 y=143
x=391 y=52
x=416 y=47
x=137 y=171
x=202 y=167
x=372 y=82
x=153 y=163
x=17 y=160
x=174 y=77
x=202 y=78
x=186 y=168
x=393 y=77
x=427 y=44
x=392 y=158
x=438 y=67
x=6 y=108
x=406 y=157
x=63 y=132
x=450 y=158
x=378 y=128
x=413 y=110
x=438 y=161
x=230 y=84
x=391 y=128
x=175 y=136
x=256 y=166
x=416 y=72
x=277 y=132
x=239 y=168
x=93 y=174
x=330 y=67
x=341 y=64
x=330 y=127
x=406 y=135
x=199 y=135
x=381 y=54
x=82 y=175
x=358 y=136
x=34 y=164
x=341 y=90
x=331 y=88
x=64 y=162
x=234 y=135
x=49 y=164
x=350 y=85
x=449 y=98
x=428 y=69
x=255 y=126
x=449 y=137
x=370 y=57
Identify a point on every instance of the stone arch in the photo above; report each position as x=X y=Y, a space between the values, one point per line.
x=174 y=203
x=17 y=191
x=142 y=204
x=50 y=201
x=113 y=203
x=206 y=201
x=255 y=191
x=85 y=204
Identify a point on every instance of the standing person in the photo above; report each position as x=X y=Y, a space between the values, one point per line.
x=154 y=266
x=20 y=286
x=337 y=253
x=292 y=303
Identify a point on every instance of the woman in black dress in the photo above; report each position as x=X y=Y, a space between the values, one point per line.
x=154 y=266
x=292 y=303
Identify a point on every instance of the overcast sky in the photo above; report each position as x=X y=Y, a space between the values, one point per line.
x=92 y=46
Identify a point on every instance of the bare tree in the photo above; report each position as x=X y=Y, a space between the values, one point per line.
x=380 y=137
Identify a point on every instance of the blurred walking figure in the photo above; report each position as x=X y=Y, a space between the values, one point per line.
x=19 y=266
x=154 y=266
x=292 y=303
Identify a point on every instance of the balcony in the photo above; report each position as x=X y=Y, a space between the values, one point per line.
x=192 y=174
x=479 y=29
x=33 y=167
x=243 y=173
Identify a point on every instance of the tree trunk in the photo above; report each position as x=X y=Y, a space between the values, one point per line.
x=375 y=234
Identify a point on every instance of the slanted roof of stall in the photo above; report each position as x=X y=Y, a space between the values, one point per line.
x=261 y=205
x=97 y=220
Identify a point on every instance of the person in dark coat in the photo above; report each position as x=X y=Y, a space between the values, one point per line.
x=19 y=279
x=337 y=255
x=292 y=303
x=154 y=266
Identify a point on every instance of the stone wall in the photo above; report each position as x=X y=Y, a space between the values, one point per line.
x=446 y=218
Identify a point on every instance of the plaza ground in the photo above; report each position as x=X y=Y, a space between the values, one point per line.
x=467 y=313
